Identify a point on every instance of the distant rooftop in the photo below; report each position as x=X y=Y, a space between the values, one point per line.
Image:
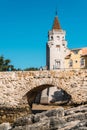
x=84 y=52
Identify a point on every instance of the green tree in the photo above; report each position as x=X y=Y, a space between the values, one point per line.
x=5 y=64
x=31 y=69
x=1 y=62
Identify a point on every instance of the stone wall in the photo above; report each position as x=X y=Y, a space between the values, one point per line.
x=11 y=114
x=20 y=88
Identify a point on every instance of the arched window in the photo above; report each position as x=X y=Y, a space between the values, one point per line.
x=51 y=38
x=82 y=62
x=63 y=38
x=70 y=63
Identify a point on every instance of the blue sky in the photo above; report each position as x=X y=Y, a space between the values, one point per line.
x=24 y=26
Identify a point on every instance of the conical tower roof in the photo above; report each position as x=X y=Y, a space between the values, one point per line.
x=56 y=24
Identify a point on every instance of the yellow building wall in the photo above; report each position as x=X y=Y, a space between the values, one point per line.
x=67 y=63
x=76 y=58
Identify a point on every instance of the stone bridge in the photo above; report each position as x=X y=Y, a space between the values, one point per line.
x=21 y=87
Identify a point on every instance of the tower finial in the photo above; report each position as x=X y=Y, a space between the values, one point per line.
x=56 y=24
x=56 y=12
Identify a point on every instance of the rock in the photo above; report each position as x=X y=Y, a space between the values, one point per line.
x=26 y=120
x=57 y=119
x=5 y=126
x=56 y=123
x=56 y=112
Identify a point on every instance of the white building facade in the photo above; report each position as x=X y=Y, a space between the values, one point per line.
x=56 y=49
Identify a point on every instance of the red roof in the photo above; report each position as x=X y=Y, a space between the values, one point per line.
x=84 y=51
x=56 y=24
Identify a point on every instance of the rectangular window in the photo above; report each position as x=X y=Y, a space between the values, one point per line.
x=57 y=64
x=58 y=47
x=75 y=51
x=63 y=44
x=70 y=63
x=82 y=62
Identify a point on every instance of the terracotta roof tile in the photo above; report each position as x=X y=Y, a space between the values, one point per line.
x=84 y=51
x=56 y=24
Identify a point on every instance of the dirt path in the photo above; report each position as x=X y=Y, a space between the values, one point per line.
x=47 y=107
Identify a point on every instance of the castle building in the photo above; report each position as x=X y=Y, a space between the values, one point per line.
x=56 y=49
x=60 y=57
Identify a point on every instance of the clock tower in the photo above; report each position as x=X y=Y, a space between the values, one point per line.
x=56 y=48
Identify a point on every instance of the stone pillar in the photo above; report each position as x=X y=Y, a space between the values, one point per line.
x=44 y=97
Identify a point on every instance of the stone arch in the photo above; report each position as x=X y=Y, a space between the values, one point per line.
x=30 y=95
x=44 y=83
x=35 y=83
